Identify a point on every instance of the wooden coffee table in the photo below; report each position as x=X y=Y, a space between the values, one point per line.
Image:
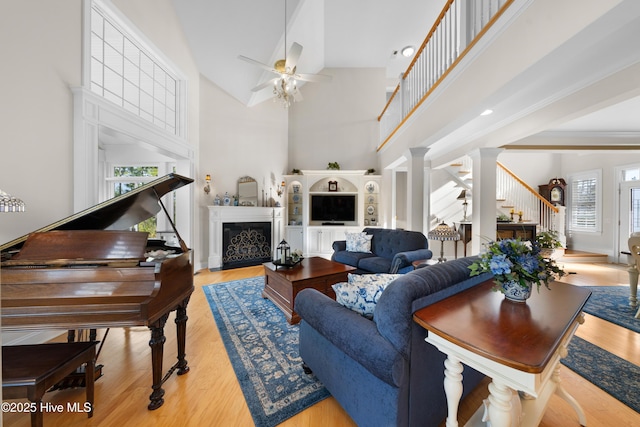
x=281 y=285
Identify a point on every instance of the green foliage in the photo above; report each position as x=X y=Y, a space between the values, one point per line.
x=513 y=260
x=548 y=239
x=333 y=166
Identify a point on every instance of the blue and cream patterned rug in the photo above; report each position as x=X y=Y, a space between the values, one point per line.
x=607 y=371
x=263 y=349
x=611 y=303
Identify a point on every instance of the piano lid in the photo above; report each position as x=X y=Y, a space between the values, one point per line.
x=119 y=213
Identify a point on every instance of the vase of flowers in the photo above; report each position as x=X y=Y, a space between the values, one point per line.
x=516 y=266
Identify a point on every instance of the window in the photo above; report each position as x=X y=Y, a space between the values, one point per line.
x=127 y=74
x=631 y=174
x=125 y=179
x=585 y=201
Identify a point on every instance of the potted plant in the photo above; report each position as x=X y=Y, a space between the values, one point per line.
x=333 y=166
x=516 y=266
x=548 y=242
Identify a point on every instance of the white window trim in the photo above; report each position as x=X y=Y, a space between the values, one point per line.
x=597 y=174
x=129 y=28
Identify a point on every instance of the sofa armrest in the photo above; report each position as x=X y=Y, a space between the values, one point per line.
x=355 y=335
x=404 y=259
x=339 y=245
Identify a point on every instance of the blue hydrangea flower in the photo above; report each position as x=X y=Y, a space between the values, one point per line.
x=529 y=263
x=500 y=264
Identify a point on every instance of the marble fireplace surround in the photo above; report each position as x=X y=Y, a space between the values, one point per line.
x=219 y=215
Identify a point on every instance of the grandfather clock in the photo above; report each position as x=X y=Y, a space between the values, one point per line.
x=554 y=191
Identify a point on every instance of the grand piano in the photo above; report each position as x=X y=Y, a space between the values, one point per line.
x=88 y=271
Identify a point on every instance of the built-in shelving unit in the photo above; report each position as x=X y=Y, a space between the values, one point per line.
x=315 y=237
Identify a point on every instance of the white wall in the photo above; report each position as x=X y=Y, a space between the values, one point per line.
x=337 y=121
x=604 y=241
x=40 y=51
x=235 y=141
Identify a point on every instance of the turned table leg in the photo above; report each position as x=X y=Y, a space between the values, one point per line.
x=453 y=388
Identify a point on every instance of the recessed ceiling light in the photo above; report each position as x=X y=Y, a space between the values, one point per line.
x=486 y=112
x=407 y=51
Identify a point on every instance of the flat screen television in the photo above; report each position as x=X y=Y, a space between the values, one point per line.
x=328 y=208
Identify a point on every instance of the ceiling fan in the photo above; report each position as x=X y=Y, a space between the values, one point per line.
x=285 y=86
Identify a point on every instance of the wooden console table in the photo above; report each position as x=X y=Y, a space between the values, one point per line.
x=504 y=230
x=518 y=345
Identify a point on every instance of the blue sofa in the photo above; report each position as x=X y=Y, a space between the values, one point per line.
x=392 y=251
x=381 y=371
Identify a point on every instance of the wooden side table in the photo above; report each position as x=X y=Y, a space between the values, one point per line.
x=30 y=370
x=518 y=345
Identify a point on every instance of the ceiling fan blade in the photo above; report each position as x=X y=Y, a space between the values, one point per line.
x=293 y=56
x=259 y=64
x=317 y=78
x=265 y=84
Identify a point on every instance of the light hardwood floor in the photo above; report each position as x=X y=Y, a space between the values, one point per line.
x=209 y=395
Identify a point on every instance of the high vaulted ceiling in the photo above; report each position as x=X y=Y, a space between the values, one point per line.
x=339 y=34
x=333 y=33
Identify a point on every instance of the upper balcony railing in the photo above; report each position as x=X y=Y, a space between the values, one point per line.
x=458 y=27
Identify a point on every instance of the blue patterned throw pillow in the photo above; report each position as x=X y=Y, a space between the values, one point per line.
x=358 y=242
x=361 y=292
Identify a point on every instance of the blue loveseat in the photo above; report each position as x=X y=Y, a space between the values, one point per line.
x=381 y=371
x=392 y=251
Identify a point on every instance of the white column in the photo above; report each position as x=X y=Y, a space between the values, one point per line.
x=426 y=216
x=483 y=196
x=415 y=188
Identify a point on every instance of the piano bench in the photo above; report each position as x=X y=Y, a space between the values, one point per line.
x=30 y=370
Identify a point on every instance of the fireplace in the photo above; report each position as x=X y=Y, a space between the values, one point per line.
x=236 y=235
x=245 y=244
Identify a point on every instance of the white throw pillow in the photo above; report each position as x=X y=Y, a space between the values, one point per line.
x=358 y=242
x=361 y=292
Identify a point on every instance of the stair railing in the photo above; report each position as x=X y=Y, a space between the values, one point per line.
x=456 y=30
x=519 y=196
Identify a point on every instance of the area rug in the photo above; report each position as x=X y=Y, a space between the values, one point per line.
x=605 y=370
x=263 y=349
x=611 y=303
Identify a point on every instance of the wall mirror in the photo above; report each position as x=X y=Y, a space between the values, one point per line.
x=247 y=191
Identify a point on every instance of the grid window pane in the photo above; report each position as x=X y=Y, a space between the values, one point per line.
x=124 y=73
x=113 y=59
x=131 y=93
x=113 y=37
x=113 y=82
x=96 y=72
x=146 y=103
x=132 y=73
x=97 y=47
x=131 y=52
x=97 y=23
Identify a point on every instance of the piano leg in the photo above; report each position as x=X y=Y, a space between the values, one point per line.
x=181 y=328
x=157 y=345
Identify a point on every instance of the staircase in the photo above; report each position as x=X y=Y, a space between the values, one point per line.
x=515 y=199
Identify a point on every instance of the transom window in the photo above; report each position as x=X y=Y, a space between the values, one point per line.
x=128 y=75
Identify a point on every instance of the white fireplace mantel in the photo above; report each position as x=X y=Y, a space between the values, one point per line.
x=218 y=215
